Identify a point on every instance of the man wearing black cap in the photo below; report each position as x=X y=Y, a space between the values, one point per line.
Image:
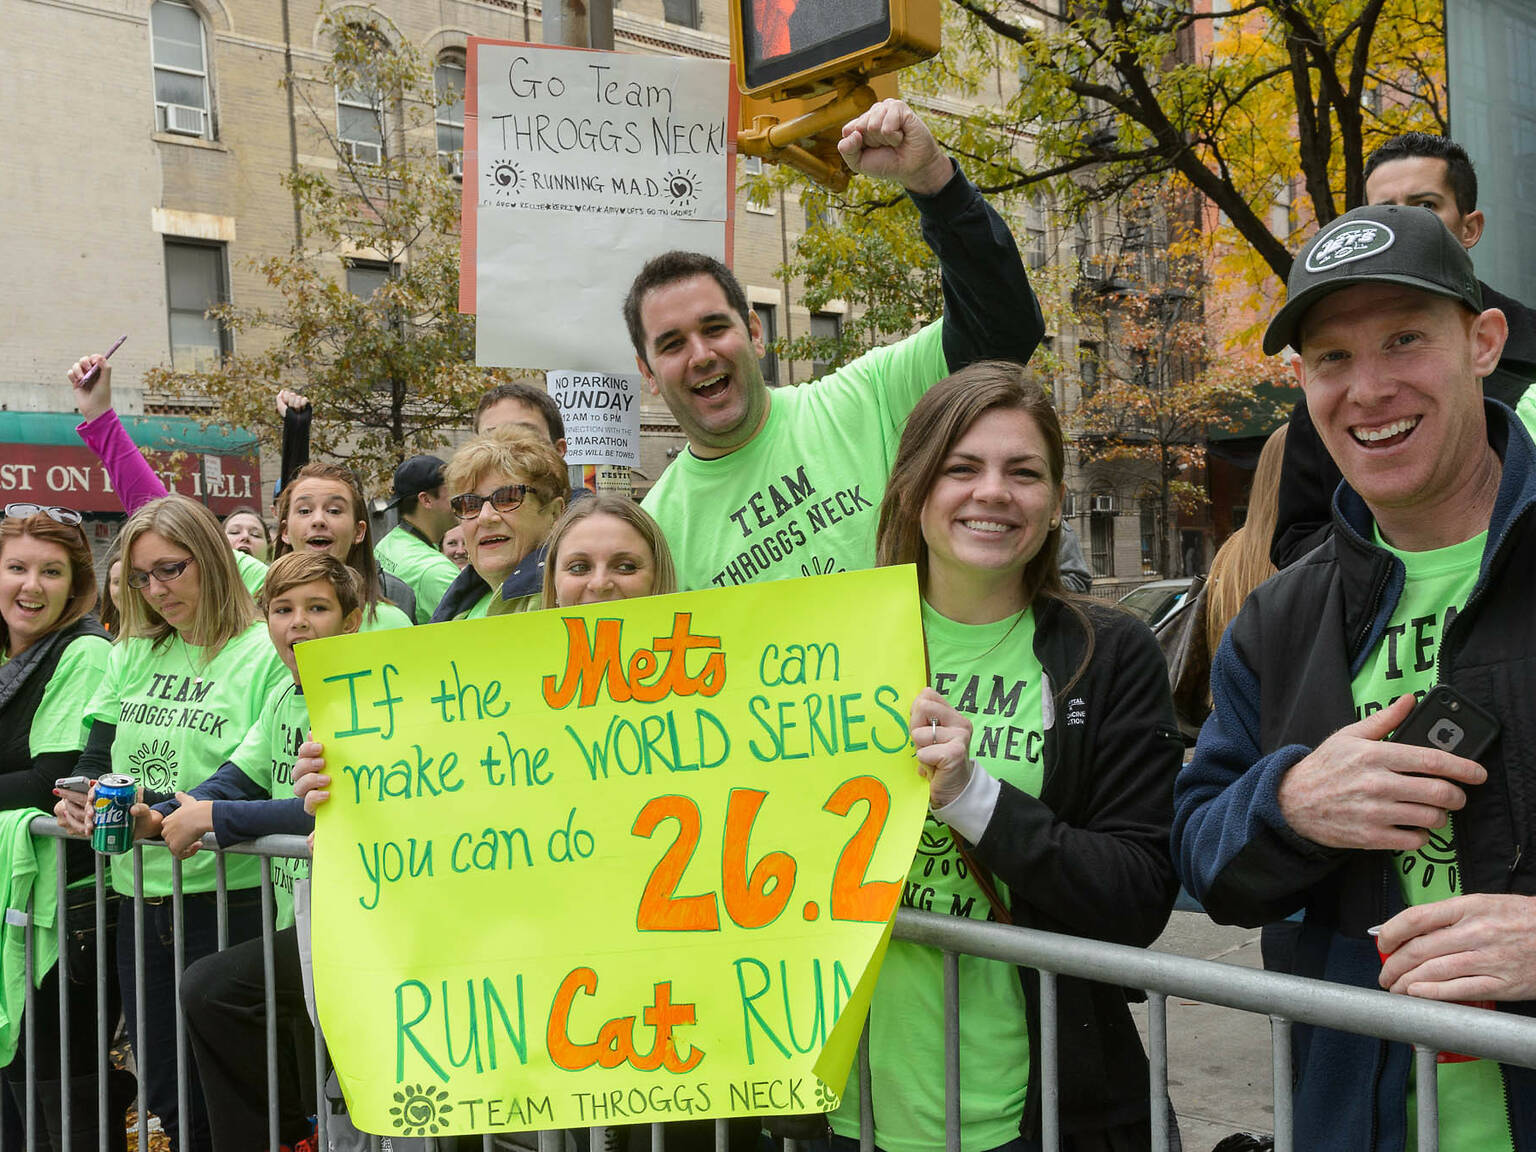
x=411 y=551
x=1295 y=798
x=1424 y=171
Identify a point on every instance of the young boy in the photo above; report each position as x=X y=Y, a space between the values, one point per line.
x=306 y=596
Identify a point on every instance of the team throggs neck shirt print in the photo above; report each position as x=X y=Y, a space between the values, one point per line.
x=178 y=717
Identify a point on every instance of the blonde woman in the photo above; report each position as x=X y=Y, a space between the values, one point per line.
x=184 y=683
x=507 y=487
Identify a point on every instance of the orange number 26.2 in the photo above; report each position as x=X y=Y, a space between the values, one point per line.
x=757 y=895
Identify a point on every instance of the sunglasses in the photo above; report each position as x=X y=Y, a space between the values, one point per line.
x=57 y=515
x=165 y=573
x=507 y=498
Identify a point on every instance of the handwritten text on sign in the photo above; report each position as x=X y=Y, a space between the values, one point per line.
x=581 y=131
x=587 y=165
x=627 y=863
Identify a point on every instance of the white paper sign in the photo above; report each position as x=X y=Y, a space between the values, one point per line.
x=589 y=164
x=601 y=411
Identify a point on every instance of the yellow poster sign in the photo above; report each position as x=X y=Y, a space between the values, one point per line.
x=630 y=863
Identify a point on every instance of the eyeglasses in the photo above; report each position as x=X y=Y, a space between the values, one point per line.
x=165 y=573
x=57 y=515
x=507 y=498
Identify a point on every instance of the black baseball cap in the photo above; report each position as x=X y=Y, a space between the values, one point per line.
x=1375 y=244
x=417 y=475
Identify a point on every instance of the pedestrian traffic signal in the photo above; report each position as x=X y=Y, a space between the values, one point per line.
x=784 y=48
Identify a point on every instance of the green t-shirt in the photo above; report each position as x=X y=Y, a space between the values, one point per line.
x=178 y=718
x=383 y=617
x=1436 y=587
x=61 y=722
x=253 y=573
x=266 y=755
x=803 y=496
x=1525 y=409
x=405 y=555
x=990 y=673
x=481 y=608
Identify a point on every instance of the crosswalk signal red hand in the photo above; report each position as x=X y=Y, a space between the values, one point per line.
x=798 y=48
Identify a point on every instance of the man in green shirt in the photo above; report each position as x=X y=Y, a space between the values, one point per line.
x=411 y=552
x=1296 y=797
x=787 y=483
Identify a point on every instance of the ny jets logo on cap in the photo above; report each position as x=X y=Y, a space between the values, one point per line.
x=1353 y=241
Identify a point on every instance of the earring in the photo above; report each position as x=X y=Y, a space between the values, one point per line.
x=1054 y=523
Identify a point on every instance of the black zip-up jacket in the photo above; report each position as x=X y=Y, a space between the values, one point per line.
x=1089 y=856
x=1309 y=476
x=1281 y=685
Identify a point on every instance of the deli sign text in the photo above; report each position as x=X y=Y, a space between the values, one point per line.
x=73 y=477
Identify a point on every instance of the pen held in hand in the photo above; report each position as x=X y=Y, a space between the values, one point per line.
x=90 y=377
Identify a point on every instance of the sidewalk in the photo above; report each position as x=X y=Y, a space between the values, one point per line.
x=1218 y=1058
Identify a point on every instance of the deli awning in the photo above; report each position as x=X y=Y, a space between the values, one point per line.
x=43 y=460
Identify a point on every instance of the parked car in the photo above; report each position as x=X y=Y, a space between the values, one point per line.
x=1156 y=601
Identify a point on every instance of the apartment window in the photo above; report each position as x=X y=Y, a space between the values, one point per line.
x=1088 y=367
x=1034 y=233
x=360 y=121
x=449 y=79
x=195 y=282
x=1101 y=543
x=826 y=326
x=365 y=277
x=684 y=12
x=768 y=317
x=181 y=69
x=752 y=165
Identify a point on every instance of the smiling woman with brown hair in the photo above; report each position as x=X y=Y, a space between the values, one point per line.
x=1048 y=743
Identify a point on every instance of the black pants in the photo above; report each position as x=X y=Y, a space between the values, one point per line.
x=225 y=1005
x=157 y=1060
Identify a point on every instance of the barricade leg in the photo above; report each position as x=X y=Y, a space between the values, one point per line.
x=1280 y=1036
x=1157 y=1068
x=1426 y=1074
x=1050 y=1118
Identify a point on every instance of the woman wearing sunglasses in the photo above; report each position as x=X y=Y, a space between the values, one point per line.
x=183 y=685
x=511 y=486
x=52 y=655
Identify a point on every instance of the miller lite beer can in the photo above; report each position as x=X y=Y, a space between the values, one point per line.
x=112 y=831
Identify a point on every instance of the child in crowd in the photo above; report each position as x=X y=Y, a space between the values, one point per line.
x=322 y=508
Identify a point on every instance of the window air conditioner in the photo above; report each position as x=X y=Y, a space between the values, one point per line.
x=184 y=120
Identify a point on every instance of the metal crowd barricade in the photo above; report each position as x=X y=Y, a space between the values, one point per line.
x=1430 y=1027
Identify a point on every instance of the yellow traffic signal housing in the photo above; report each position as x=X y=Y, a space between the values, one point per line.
x=804 y=133
x=801 y=48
